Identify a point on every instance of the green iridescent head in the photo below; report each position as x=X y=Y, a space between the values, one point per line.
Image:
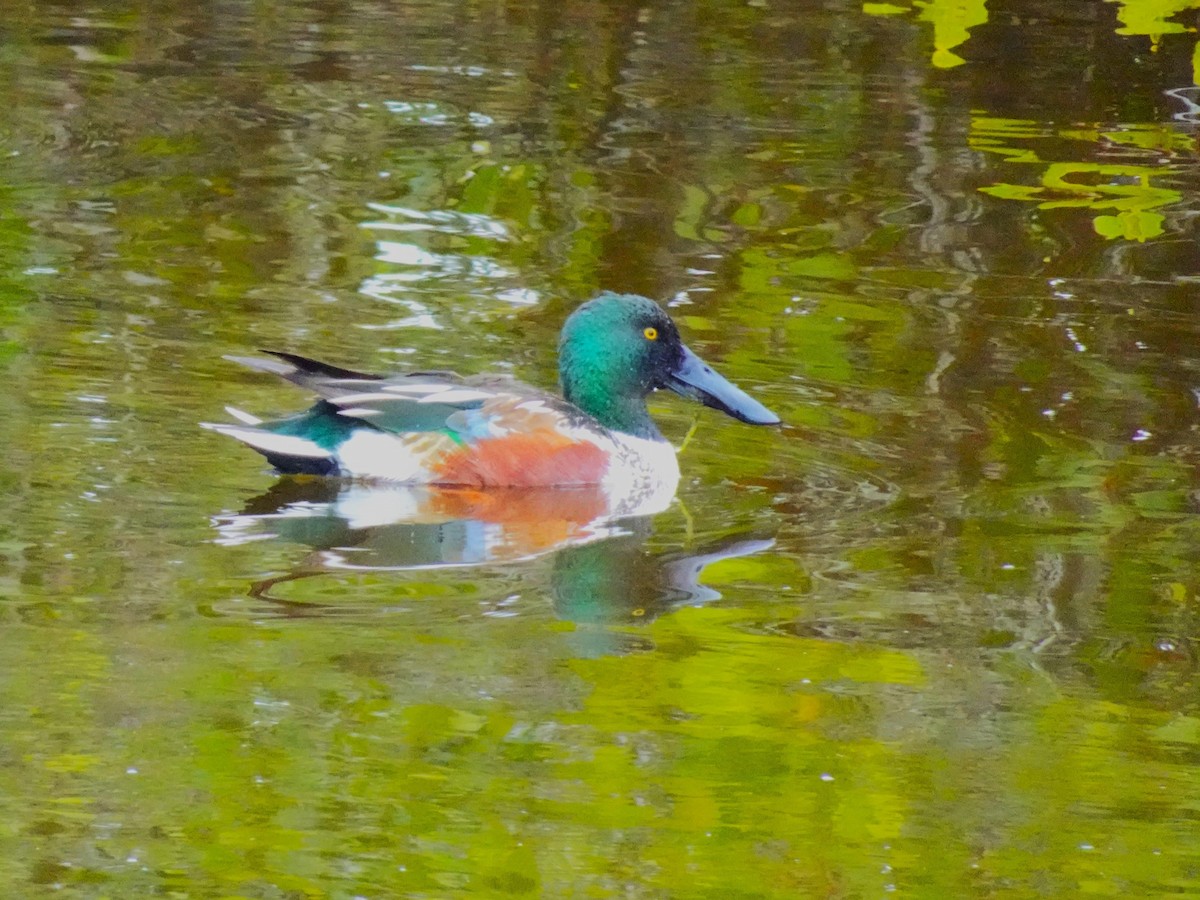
x=617 y=348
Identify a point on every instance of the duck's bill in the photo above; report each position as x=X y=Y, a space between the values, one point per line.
x=694 y=378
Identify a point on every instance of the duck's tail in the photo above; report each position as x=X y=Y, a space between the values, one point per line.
x=289 y=453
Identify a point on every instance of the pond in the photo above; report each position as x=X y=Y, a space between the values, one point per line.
x=935 y=635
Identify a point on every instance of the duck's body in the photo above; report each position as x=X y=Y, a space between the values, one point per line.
x=441 y=429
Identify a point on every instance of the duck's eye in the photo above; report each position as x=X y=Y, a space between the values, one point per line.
x=650 y=333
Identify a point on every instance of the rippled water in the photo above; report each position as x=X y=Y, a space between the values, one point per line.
x=935 y=636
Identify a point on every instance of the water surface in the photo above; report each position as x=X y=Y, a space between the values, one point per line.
x=935 y=636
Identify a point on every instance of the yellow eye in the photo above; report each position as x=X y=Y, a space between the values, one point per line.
x=650 y=332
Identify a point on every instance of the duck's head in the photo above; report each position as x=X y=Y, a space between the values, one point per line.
x=617 y=348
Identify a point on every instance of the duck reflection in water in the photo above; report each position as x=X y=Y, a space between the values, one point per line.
x=602 y=571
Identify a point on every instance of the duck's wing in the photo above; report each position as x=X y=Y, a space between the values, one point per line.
x=474 y=431
x=401 y=393
x=482 y=432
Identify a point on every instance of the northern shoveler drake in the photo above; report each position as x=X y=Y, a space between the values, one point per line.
x=437 y=428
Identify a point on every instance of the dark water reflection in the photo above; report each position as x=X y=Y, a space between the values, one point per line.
x=601 y=573
x=954 y=246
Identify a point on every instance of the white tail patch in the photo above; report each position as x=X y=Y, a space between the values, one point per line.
x=287 y=444
x=368 y=453
x=242 y=416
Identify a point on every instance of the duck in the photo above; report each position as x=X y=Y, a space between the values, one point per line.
x=437 y=428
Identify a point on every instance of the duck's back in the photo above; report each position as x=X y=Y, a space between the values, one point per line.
x=427 y=428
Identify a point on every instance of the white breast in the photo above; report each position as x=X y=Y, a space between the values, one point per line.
x=642 y=476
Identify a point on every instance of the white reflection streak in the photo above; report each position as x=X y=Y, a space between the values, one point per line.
x=1184 y=95
x=383 y=287
x=432 y=114
x=519 y=296
x=450 y=264
x=407 y=255
x=448 y=221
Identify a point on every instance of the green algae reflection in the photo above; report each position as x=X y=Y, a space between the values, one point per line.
x=1129 y=203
